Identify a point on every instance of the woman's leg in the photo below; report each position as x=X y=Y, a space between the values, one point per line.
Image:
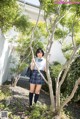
x=31 y=92
x=37 y=92
x=32 y=87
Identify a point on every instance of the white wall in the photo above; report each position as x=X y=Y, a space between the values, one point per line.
x=4 y=58
x=56 y=54
x=31 y=11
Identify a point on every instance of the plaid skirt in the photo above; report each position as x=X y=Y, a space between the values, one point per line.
x=36 y=78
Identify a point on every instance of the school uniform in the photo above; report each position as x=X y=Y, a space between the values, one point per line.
x=36 y=77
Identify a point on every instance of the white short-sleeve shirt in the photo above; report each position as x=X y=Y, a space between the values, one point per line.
x=41 y=63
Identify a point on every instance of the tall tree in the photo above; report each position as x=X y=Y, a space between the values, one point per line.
x=54 y=15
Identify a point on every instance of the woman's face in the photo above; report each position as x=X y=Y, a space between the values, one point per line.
x=39 y=55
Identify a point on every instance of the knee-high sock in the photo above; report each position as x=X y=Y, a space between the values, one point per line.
x=30 y=98
x=36 y=98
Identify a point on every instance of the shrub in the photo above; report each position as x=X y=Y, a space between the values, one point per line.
x=68 y=84
x=40 y=111
x=73 y=75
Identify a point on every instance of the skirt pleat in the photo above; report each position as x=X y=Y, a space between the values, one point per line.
x=36 y=78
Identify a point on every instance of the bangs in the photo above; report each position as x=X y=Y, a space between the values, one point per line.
x=40 y=51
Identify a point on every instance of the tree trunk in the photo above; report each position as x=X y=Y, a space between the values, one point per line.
x=14 y=80
x=57 y=96
x=51 y=95
x=57 y=117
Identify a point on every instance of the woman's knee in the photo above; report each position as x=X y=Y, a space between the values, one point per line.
x=37 y=92
x=38 y=88
x=32 y=88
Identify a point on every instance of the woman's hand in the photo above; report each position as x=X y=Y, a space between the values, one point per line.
x=33 y=60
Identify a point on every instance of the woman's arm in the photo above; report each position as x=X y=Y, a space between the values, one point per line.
x=32 y=65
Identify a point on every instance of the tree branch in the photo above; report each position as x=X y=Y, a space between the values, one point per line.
x=48 y=48
x=32 y=36
x=68 y=66
x=47 y=65
x=63 y=16
x=72 y=93
x=58 y=84
x=73 y=42
x=45 y=19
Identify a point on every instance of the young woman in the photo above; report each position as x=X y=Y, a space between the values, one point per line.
x=36 y=80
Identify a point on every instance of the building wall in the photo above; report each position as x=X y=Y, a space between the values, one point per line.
x=31 y=11
x=56 y=54
x=4 y=58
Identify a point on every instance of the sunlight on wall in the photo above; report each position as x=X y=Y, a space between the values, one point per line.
x=56 y=54
x=4 y=58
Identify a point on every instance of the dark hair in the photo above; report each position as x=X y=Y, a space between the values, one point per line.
x=39 y=50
